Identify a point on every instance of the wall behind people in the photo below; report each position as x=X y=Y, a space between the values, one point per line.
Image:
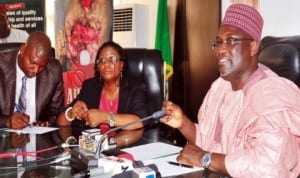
x=276 y=23
x=279 y=20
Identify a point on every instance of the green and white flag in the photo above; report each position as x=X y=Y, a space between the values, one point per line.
x=162 y=38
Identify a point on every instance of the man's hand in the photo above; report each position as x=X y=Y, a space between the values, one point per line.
x=174 y=117
x=191 y=155
x=18 y=121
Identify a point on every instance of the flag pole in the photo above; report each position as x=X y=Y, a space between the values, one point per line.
x=166 y=97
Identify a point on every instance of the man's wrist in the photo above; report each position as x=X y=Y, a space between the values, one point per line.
x=185 y=121
x=206 y=160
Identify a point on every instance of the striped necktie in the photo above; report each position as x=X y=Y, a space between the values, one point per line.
x=22 y=97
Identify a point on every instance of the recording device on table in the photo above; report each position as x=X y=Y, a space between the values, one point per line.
x=93 y=144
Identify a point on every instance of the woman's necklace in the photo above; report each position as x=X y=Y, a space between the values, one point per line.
x=111 y=97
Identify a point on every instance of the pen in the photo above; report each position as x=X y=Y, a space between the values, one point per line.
x=180 y=164
x=18 y=108
x=167 y=155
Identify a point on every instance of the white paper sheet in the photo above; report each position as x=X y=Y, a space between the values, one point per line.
x=159 y=153
x=152 y=150
x=33 y=130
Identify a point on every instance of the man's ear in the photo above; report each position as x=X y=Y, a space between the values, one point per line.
x=22 y=49
x=254 y=47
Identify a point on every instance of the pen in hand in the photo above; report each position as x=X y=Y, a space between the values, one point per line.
x=180 y=164
x=21 y=111
x=18 y=108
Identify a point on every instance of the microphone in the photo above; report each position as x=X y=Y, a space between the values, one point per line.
x=155 y=115
x=130 y=173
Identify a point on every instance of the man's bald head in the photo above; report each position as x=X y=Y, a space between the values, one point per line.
x=39 y=42
x=35 y=54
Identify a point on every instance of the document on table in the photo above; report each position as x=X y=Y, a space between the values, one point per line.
x=159 y=153
x=33 y=130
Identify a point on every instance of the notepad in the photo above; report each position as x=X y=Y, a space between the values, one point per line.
x=160 y=153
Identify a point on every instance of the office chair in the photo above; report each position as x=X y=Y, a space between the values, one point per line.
x=145 y=69
x=7 y=47
x=281 y=54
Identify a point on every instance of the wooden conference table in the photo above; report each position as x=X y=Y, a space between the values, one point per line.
x=54 y=161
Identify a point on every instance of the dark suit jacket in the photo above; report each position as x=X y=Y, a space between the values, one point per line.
x=131 y=101
x=49 y=89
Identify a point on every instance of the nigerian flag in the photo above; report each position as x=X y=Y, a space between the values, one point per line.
x=162 y=38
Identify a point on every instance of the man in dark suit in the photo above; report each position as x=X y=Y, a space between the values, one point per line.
x=43 y=89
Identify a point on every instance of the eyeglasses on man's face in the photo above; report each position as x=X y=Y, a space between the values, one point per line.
x=228 y=42
x=108 y=59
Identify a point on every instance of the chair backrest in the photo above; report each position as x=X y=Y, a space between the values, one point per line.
x=145 y=68
x=8 y=47
x=15 y=46
x=281 y=54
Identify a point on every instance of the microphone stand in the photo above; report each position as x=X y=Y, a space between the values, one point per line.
x=155 y=115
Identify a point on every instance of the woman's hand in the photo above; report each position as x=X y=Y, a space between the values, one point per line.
x=174 y=117
x=79 y=110
x=96 y=117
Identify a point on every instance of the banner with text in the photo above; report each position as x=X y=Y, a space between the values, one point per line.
x=27 y=15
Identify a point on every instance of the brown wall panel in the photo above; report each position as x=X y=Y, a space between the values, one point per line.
x=202 y=24
x=194 y=65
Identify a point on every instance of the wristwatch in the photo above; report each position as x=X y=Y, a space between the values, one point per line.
x=111 y=119
x=206 y=160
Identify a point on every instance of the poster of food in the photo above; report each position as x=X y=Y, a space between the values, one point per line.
x=87 y=25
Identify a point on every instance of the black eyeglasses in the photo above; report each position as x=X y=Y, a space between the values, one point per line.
x=108 y=59
x=228 y=42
